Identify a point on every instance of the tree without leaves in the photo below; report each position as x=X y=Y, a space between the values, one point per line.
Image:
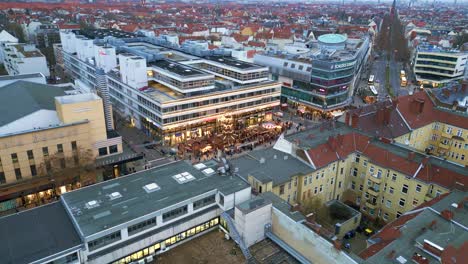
x=80 y=165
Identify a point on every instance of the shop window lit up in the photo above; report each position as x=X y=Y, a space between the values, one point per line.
x=155 y=248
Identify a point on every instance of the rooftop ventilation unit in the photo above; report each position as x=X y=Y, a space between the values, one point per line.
x=183 y=177
x=208 y=171
x=114 y=195
x=152 y=187
x=401 y=260
x=200 y=166
x=92 y=204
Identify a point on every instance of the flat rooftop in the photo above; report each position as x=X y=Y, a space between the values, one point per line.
x=36 y=234
x=278 y=166
x=179 y=69
x=134 y=201
x=234 y=63
x=101 y=33
x=20 y=76
x=77 y=98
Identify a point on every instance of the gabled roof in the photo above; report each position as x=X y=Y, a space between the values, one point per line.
x=380 y=119
x=7 y=37
x=419 y=110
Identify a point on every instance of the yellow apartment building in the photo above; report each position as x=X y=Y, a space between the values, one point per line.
x=45 y=130
x=383 y=180
x=440 y=139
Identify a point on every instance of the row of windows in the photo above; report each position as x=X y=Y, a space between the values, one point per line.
x=174 y=213
x=234 y=74
x=317 y=99
x=204 y=202
x=440 y=64
x=112 y=149
x=102 y=241
x=151 y=250
x=182 y=85
x=219 y=110
x=435 y=70
x=217 y=100
x=141 y=226
x=300 y=67
x=32 y=167
x=435 y=57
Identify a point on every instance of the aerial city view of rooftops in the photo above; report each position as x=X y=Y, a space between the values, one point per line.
x=240 y=131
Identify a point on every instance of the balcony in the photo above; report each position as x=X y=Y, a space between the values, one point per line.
x=371 y=205
x=427 y=198
x=446 y=135
x=375 y=178
x=444 y=146
x=374 y=192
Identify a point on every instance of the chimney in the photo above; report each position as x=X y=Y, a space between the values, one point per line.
x=447 y=215
x=419 y=259
x=387 y=115
x=380 y=116
x=464 y=86
x=433 y=248
x=310 y=217
x=354 y=120
x=411 y=155
x=332 y=142
x=446 y=92
x=348 y=118
x=395 y=103
x=418 y=105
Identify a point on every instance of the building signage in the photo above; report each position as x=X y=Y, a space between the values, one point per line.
x=343 y=65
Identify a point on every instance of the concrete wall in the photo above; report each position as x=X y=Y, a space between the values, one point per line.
x=33 y=65
x=308 y=243
x=251 y=226
x=236 y=198
x=89 y=110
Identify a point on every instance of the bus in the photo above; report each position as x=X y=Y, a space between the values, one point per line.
x=371 y=80
x=403 y=82
x=373 y=90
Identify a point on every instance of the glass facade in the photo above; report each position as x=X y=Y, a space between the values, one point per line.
x=170 y=241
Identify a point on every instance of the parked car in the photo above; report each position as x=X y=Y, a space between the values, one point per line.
x=350 y=234
x=368 y=232
x=361 y=228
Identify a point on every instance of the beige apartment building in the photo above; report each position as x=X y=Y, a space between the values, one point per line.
x=50 y=137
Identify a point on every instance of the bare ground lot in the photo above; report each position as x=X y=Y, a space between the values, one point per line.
x=206 y=249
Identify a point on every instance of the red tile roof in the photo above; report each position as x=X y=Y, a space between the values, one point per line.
x=341 y=146
x=419 y=110
x=391 y=231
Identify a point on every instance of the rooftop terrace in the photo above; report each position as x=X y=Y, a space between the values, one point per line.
x=234 y=63
x=179 y=69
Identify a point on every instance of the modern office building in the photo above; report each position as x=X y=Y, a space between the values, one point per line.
x=45 y=129
x=174 y=93
x=23 y=59
x=434 y=66
x=321 y=80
